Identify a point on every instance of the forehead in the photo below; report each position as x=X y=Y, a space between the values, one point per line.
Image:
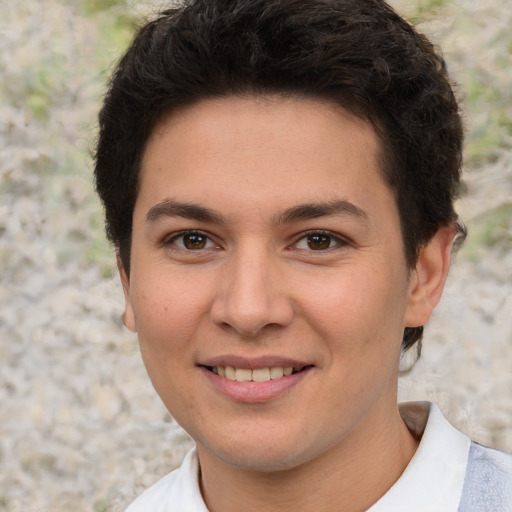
x=276 y=115
x=269 y=149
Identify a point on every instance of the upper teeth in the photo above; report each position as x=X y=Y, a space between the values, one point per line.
x=256 y=375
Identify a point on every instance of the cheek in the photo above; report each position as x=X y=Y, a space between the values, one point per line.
x=166 y=319
x=359 y=309
x=166 y=327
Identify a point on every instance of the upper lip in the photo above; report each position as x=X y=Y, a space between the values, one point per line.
x=252 y=363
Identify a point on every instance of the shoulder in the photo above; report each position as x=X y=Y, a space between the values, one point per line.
x=448 y=471
x=176 y=492
x=495 y=461
x=488 y=481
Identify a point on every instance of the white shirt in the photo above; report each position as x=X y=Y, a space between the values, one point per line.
x=433 y=480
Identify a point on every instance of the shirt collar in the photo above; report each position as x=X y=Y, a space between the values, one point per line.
x=185 y=493
x=434 y=478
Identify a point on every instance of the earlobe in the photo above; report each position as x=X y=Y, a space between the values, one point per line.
x=429 y=277
x=128 y=314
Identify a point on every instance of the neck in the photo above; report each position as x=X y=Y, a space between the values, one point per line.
x=351 y=476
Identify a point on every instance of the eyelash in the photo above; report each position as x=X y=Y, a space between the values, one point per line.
x=338 y=240
x=171 y=240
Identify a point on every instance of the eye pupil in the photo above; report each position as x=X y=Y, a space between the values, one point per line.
x=319 y=242
x=194 y=241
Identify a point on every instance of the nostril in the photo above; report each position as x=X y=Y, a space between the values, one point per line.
x=249 y=315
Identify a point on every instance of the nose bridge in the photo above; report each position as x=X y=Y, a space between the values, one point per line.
x=250 y=296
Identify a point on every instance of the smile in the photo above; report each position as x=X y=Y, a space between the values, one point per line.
x=255 y=375
x=258 y=383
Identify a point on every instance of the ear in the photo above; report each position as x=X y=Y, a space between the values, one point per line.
x=128 y=314
x=429 y=276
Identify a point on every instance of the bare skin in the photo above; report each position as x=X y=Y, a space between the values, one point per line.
x=350 y=481
x=265 y=238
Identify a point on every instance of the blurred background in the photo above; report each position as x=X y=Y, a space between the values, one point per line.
x=81 y=429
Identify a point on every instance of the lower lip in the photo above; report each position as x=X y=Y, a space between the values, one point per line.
x=254 y=392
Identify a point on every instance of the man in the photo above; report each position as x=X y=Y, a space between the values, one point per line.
x=278 y=179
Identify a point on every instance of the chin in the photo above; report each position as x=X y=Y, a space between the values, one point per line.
x=261 y=455
x=262 y=462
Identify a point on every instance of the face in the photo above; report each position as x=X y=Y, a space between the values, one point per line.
x=268 y=284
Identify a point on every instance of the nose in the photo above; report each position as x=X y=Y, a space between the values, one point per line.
x=252 y=296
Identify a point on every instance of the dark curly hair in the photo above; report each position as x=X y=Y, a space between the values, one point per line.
x=358 y=53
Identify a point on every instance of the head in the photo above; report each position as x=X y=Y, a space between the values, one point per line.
x=358 y=55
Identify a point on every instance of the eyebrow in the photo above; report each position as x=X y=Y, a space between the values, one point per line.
x=172 y=208
x=315 y=210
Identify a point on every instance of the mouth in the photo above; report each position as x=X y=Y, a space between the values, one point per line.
x=264 y=374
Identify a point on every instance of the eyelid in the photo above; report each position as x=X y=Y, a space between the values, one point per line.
x=171 y=238
x=342 y=241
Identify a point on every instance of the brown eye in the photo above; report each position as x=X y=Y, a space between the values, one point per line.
x=318 y=242
x=194 y=241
